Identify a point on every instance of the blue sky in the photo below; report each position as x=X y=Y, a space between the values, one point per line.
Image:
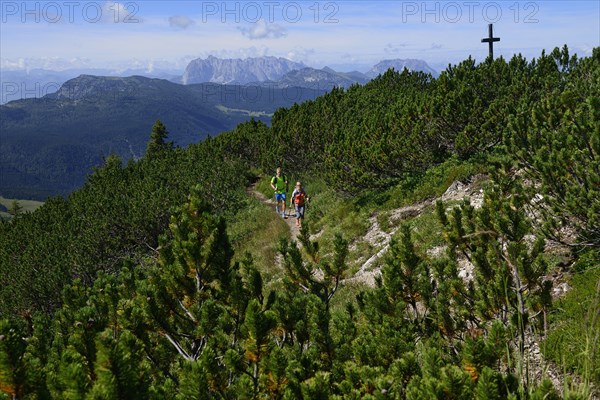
x=342 y=34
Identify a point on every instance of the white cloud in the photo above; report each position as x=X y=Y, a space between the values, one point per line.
x=394 y=48
x=180 y=21
x=48 y=63
x=300 y=54
x=12 y=65
x=247 y=52
x=263 y=30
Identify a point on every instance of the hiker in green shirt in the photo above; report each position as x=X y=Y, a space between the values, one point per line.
x=279 y=183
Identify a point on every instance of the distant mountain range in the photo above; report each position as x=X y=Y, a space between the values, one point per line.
x=282 y=73
x=260 y=71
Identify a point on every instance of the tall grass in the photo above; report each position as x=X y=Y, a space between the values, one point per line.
x=255 y=230
x=574 y=338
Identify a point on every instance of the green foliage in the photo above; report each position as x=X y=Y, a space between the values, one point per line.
x=16 y=209
x=405 y=275
x=12 y=347
x=119 y=214
x=157 y=143
x=302 y=272
x=573 y=341
x=191 y=275
x=142 y=293
x=509 y=271
x=435 y=180
x=121 y=370
x=192 y=323
x=557 y=143
x=374 y=136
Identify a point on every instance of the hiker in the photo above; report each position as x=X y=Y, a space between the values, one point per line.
x=298 y=200
x=279 y=183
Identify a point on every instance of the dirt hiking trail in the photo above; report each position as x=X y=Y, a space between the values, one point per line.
x=270 y=202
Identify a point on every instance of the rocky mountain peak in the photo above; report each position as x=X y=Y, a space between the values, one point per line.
x=238 y=71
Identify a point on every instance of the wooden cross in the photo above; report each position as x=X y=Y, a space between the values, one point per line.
x=490 y=40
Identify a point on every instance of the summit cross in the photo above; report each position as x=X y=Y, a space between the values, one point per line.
x=490 y=40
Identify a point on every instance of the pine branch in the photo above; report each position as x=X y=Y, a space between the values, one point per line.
x=163 y=370
x=187 y=312
x=199 y=344
x=178 y=347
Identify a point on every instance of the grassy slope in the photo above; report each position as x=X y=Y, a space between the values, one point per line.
x=574 y=338
x=257 y=231
x=28 y=205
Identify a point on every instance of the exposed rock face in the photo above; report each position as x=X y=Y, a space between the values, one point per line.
x=238 y=71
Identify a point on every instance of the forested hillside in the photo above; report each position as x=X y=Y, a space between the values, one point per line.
x=49 y=145
x=149 y=283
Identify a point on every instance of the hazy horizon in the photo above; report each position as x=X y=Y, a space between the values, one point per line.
x=350 y=35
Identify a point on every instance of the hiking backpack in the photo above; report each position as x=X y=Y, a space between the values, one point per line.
x=274 y=181
x=299 y=198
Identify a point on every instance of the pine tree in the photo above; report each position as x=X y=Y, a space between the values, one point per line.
x=120 y=368
x=12 y=348
x=195 y=302
x=16 y=209
x=405 y=275
x=302 y=272
x=192 y=276
x=557 y=144
x=509 y=284
x=158 y=137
